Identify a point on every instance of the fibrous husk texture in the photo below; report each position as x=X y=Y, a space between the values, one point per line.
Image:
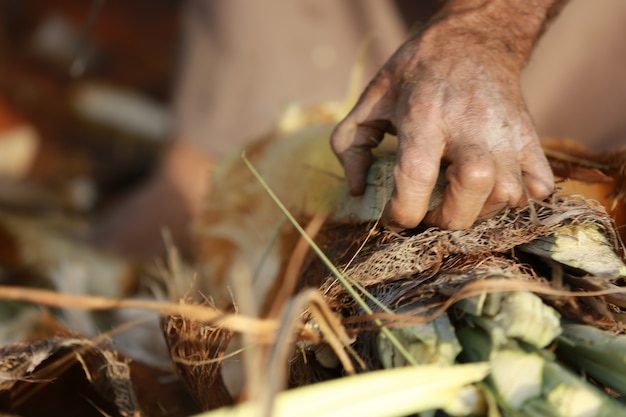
x=390 y=257
x=197 y=349
x=429 y=266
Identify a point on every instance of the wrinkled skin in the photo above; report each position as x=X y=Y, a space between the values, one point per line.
x=452 y=95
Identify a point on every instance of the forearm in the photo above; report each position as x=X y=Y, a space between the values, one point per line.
x=510 y=24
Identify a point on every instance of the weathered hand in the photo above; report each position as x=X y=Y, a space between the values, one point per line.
x=452 y=95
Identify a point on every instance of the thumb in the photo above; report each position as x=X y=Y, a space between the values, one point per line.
x=354 y=138
x=357 y=157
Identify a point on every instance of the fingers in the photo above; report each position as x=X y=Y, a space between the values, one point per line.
x=352 y=144
x=416 y=171
x=537 y=174
x=471 y=179
x=508 y=190
x=482 y=182
x=520 y=175
x=362 y=130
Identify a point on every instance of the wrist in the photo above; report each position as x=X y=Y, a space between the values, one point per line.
x=506 y=26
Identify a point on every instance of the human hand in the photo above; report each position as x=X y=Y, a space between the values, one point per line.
x=451 y=95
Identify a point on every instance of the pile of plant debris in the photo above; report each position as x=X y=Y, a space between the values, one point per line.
x=533 y=295
x=301 y=303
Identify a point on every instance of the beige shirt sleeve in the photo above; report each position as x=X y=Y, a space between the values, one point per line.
x=243 y=62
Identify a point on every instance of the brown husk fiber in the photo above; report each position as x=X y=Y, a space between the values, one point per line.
x=419 y=256
x=197 y=349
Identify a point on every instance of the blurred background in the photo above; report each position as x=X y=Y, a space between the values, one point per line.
x=85 y=91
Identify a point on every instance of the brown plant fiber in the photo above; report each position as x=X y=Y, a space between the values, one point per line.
x=389 y=257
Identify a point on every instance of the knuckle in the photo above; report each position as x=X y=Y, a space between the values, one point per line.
x=508 y=193
x=342 y=138
x=539 y=183
x=541 y=189
x=417 y=171
x=477 y=176
x=417 y=168
x=337 y=138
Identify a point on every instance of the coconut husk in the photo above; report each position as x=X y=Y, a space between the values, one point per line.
x=422 y=253
x=197 y=349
